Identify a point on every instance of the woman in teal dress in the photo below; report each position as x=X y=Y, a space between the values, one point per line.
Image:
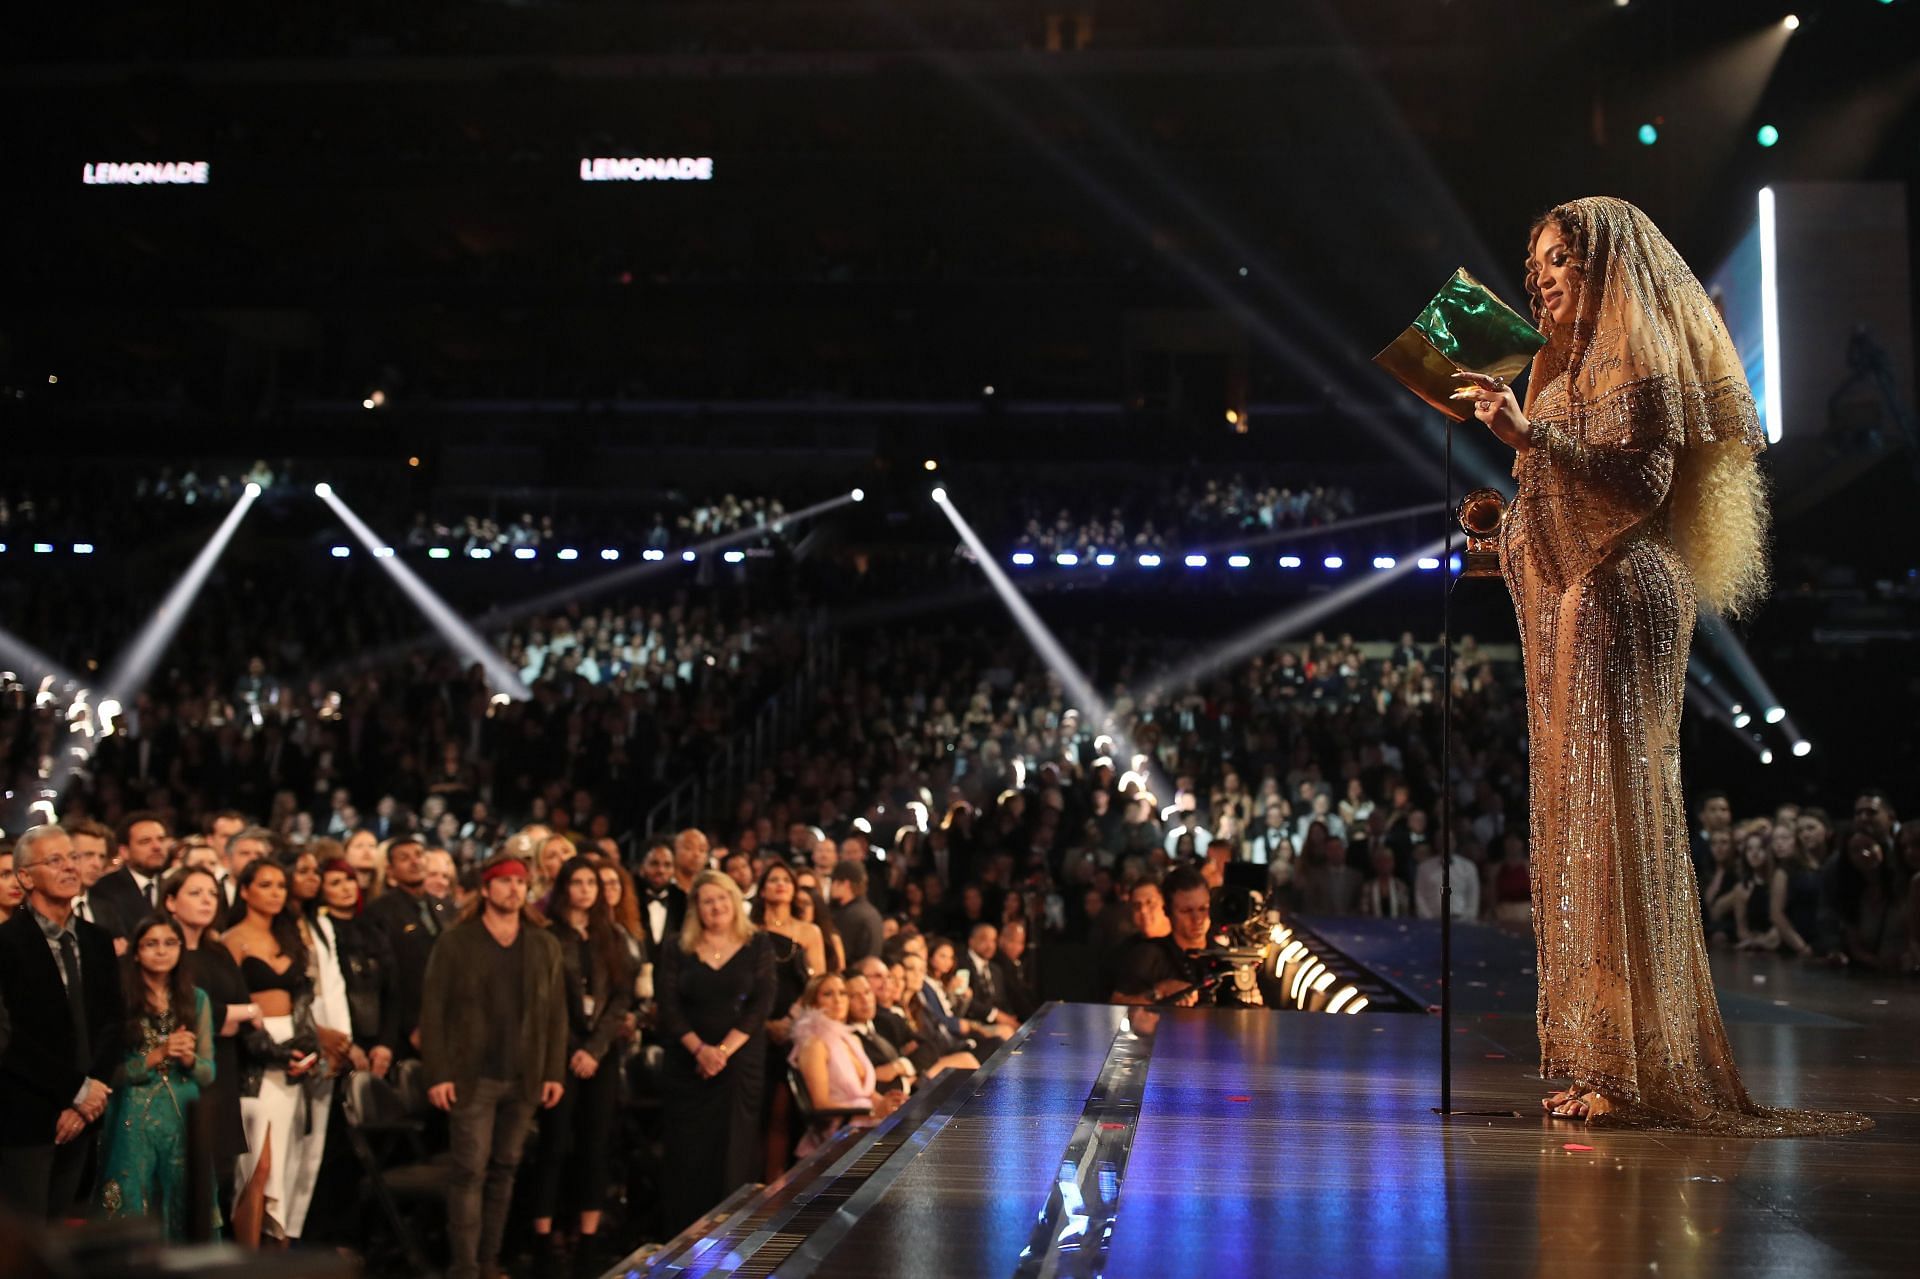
x=170 y=1025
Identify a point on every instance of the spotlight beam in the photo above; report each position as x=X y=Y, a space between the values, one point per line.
x=134 y=664
x=462 y=638
x=28 y=662
x=1759 y=695
x=1072 y=678
x=1262 y=636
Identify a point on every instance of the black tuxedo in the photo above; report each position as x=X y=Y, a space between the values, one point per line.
x=985 y=996
x=122 y=897
x=1015 y=985
x=101 y=915
x=675 y=898
x=410 y=925
x=43 y=1064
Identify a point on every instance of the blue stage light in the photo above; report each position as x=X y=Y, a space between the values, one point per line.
x=341 y=552
x=1334 y=561
x=1455 y=563
x=1239 y=561
x=479 y=553
x=83 y=548
x=43 y=548
x=1428 y=563
x=1023 y=558
x=652 y=554
x=1149 y=560
x=568 y=553
x=735 y=557
x=524 y=552
x=1768 y=136
x=1384 y=561
x=611 y=554
x=1066 y=559
x=1648 y=135
x=1105 y=559
x=689 y=555
x=1196 y=560
x=1289 y=561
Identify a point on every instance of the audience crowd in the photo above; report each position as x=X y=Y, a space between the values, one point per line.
x=1192 y=513
x=328 y=914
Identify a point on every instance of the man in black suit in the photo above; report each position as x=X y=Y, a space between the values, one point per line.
x=663 y=906
x=1012 y=966
x=133 y=892
x=412 y=919
x=91 y=842
x=61 y=1022
x=986 y=1003
x=854 y=914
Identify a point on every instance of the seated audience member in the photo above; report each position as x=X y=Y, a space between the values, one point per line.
x=143 y=1156
x=1865 y=900
x=1013 y=971
x=1427 y=883
x=988 y=1002
x=1792 y=896
x=1385 y=895
x=946 y=995
x=60 y=986
x=830 y=1059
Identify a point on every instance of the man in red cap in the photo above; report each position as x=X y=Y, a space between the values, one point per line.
x=493 y=1040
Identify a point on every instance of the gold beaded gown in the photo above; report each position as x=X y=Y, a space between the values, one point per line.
x=1625 y=406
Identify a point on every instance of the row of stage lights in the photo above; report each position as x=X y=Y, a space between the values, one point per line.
x=610 y=554
x=1200 y=560
x=1309 y=982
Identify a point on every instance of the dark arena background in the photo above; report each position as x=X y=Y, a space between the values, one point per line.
x=922 y=462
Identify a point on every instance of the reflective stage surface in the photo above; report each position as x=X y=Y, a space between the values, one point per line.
x=1216 y=1143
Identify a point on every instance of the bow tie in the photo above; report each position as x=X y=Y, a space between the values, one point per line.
x=657 y=897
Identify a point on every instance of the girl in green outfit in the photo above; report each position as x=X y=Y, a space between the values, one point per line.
x=144 y=1163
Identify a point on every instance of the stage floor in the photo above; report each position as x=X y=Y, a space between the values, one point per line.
x=1238 y=1144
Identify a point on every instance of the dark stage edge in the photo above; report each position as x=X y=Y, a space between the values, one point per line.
x=1217 y=1143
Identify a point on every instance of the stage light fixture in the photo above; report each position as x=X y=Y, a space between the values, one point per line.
x=479 y=552
x=413 y=461
x=1427 y=563
x=986 y=390
x=1791 y=22
x=1195 y=560
x=1742 y=719
x=1105 y=559
x=383 y=552
x=1802 y=749
x=341 y=552
x=252 y=489
x=1233 y=417
x=609 y=554
x=1334 y=561
x=735 y=557
x=1066 y=559
x=1022 y=558
x=524 y=552
x=858 y=495
x=1766 y=756
x=1775 y=714
x=322 y=489
x=929 y=465
x=1768 y=136
x=652 y=554
x=1384 y=561
x=568 y=553
x=689 y=555
x=1148 y=560
x=83 y=548
x=43 y=548
x=439 y=553
x=939 y=495
x=1341 y=997
x=1357 y=1004
x=366 y=404
x=1289 y=561
x=1648 y=135
x=1239 y=561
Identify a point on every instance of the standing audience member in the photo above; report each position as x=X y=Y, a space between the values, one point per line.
x=275 y=1059
x=690 y=858
x=412 y=920
x=12 y=896
x=60 y=989
x=192 y=897
x=855 y=917
x=493 y=1044
x=91 y=841
x=799 y=951
x=366 y=962
x=715 y=987
x=132 y=893
x=571 y=1161
x=169 y=1033
x=663 y=906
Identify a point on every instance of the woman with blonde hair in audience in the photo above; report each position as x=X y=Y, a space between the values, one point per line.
x=553 y=852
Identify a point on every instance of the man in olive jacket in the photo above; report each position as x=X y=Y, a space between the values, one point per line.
x=493 y=1040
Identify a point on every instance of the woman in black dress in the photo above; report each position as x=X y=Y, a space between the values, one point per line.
x=715 y=988
x=192 y=897
x=799 y=951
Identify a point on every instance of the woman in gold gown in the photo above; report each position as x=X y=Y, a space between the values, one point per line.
x=1639 y=500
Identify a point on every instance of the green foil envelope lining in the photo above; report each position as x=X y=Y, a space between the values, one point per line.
x=1466 y=326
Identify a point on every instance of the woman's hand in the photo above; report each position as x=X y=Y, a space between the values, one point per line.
x=710 y=1060
x=583 y=1064
x=1495 y=405
x=181 y=1045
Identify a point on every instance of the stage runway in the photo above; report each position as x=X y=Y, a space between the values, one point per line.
x=1227 y=1144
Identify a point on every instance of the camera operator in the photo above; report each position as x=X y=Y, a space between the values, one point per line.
x=1163 y=963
